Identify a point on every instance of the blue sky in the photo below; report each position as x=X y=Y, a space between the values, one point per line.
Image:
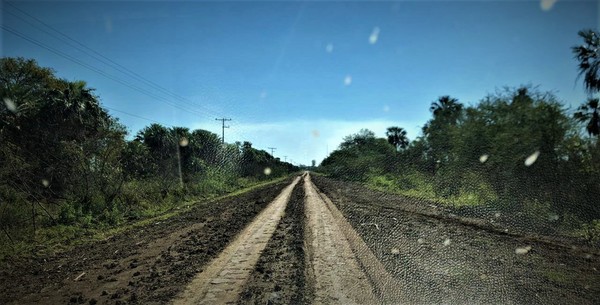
x=301 y=75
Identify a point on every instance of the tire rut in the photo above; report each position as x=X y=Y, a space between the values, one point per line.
x=338 y=275
x=224 y=278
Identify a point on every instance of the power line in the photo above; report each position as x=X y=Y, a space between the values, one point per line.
x=223 y=132
x=96 y=55
x=94 y=69
x=138 y=116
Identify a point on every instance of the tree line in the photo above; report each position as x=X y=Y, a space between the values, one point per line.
x=64 y=160
x=518 y=149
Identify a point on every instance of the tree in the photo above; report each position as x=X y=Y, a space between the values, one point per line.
x=58 y=144
x=588 y=113
x=364 y=136
x=446 y=108
x=588 y=55
x=396 y=136
x=439 y=130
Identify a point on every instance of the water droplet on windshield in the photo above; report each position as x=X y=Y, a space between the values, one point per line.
x=184 y=142
x=374 y=36
x=316 y=133
x=267 y=171
x=329 y=48
x=348 y=80
x=532 y=158
x=45 y=183
x=523 y=250
x=483 y=158
x=447 y=242
x=395 y=251
x=10 y=105
x=420 y=241
x=386 y=108
x=547 y=5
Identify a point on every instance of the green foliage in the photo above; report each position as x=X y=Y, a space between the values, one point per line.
x=588 y=57
x=64 y=161
x=516 y=151
x=359 y=156
x=591 y=231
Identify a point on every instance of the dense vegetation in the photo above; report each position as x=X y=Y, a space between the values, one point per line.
x=64 y=161
x=518 y=150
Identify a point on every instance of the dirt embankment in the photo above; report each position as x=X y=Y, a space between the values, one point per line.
x=440 y=259
x=279 y=276
x=146 y=265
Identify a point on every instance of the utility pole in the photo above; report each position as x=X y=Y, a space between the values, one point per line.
x=223 y=133
x=284 y=158
x=272 y=149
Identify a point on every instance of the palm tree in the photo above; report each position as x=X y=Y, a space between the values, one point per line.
x=588 y=112
x=397 y=137
x=446 y=107
x=588 y=55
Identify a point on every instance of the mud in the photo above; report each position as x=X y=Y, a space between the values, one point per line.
x=332 y=242
x=438 y=258
x=280 y=276
x=146 y=265
x=223 y=279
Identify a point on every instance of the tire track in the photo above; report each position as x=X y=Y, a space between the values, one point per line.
x=338 y=275
x=224 y=278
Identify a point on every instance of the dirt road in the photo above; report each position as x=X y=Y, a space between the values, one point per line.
x=145 y=265
x=437 y=258
x=310 y=240
x=223 y=279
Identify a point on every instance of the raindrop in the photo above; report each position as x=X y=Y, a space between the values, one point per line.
x=316 y=133
x=547 y=5
x=553 y=217
x=531 y=159
x=523 y=250
x=386 y=108
x=447 y=242
x=45 y=182
x=267 y=171
x=483 y=158
x=184 y=142
x=10 y=104
x=420 y=241
x=374 y=36
x=348 y=80
x=497 y=215
x=329 y=48
x=395 y=251
x=263 y=94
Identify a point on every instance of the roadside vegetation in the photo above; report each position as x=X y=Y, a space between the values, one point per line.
x=68 y=168
x=517 y=152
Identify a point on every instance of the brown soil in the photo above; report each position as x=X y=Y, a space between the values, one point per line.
x=439 y=258
x=223 y=279
x=279 y=276
x=146 y=265
x=330 y=242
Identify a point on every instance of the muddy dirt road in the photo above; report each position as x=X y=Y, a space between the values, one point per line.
x=310 y=240
x=224 y=278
